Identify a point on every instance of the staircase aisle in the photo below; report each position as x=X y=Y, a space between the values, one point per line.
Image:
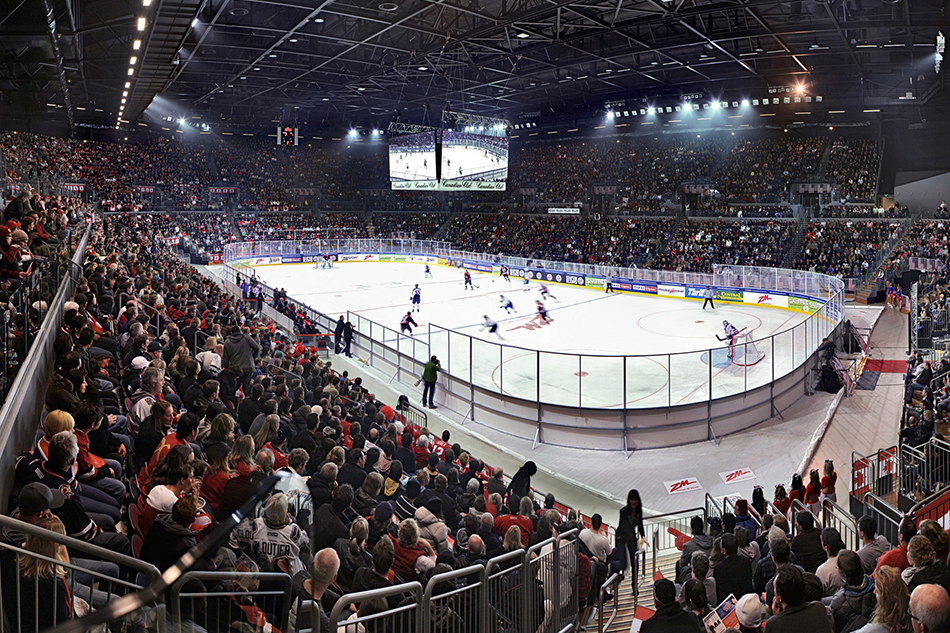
x=795 y=250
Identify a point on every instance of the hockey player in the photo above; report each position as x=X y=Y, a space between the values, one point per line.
x=504 y=273
x=730 y=335
x=527 y=282
x=543 y=313
x=406 y=323
x=468 y=281
x=546 y=294
x=491 y=326
x=416 y=299
x=327 y=261
x=507 y=305
x=428 y=272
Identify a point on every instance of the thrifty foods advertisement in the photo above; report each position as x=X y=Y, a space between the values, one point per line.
x=728 y=295
x=809 y=306
x=555 y=277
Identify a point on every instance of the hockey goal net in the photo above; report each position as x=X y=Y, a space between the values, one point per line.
x=744 y=351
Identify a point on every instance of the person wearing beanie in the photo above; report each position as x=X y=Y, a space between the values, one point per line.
x=744 y=519
x=381 y=524
x=431 y=526
x=669 y=615
x=749 y=613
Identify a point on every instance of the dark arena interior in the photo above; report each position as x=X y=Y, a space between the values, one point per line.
x=451 y=316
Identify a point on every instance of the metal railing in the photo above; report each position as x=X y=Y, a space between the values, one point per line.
x=886 y=516
x=96 y=583
x=524 y=590
x=833 y=515
x=213 y=599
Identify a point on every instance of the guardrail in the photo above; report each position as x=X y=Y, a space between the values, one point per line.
x=886 y=516
x=523 y=590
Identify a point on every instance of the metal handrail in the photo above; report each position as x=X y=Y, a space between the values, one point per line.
x=175 y=593
x=412 y=588
x=75 y=544
x=613 y=581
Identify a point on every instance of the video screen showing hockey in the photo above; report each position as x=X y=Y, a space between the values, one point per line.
x=412 y=157
x=473 y=156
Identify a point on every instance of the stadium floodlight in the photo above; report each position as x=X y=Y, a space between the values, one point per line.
x=715 y=105
x=610 y=114
x=745 y=103
x=181 y=121
x=651 y=110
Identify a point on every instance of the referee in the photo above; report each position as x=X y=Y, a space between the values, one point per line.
x=707 y=298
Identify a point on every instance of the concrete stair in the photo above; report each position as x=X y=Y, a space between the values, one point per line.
x=627 y=602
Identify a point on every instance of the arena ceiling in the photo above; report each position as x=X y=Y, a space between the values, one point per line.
x=249 y=64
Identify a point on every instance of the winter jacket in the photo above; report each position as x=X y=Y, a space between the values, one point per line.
x=936 y=573
x=852 y=600
x=746 y=521
x=699 y=543
x=165 y=542
x=432 y=529
x=240 y=350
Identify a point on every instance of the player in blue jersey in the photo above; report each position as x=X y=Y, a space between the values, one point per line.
x=507 y=305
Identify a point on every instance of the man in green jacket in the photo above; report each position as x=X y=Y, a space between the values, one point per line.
x=429 y=375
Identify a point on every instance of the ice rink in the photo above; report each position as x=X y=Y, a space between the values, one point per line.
x=464 y=162
x=412 y=166
x=672 y=353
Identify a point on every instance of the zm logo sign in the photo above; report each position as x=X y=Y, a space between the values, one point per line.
x=765 y=299
x=682 y=485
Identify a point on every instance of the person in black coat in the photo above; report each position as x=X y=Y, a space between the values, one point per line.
x=404 y=454
x=521 y=482
x=171 y=536
x=670 y=616
x=630 y=530
x=734 y=574
x=338 y=334
x=322 y=484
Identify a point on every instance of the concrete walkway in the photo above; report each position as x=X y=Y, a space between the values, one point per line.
x=869 y=420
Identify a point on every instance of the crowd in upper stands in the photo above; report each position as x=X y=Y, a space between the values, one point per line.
x=854 y=164
x=760 y=170
x=850 y=248
x=696 y=246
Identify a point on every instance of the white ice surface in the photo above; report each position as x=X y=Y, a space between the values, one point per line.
x=580 y=354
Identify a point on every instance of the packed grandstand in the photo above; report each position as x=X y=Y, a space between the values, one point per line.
x=172 y=399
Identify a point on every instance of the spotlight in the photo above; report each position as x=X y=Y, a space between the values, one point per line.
x=610 y=114
x=181 y=121
x=715 y=105
x=651 y=110
x=745 y=103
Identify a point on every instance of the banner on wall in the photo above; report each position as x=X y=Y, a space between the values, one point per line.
x=671 y=291
x=765 y=299
x=727 y=295
x=216 y=258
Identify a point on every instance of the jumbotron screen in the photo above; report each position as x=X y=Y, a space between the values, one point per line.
x=412 y=158
x=470 y=156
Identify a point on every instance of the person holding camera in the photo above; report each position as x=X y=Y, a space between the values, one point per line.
x=430 y=374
